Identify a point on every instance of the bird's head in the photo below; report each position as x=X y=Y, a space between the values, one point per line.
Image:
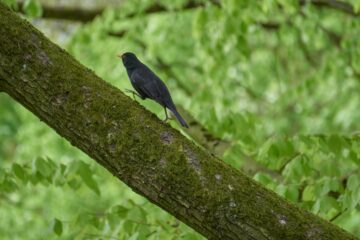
x=129 y=60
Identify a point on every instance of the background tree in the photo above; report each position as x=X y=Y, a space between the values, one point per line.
x=276 y=79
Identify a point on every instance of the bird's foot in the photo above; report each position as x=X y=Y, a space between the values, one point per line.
x=132 y=92
x=167 y=118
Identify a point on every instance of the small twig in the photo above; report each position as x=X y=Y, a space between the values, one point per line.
x=336 y=216
x=140 y=222
x=288 y=161
x=151 y=233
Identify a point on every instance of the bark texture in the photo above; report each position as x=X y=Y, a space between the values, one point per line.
x=153 y=159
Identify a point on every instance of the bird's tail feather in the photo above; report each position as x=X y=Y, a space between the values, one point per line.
x=179 y=118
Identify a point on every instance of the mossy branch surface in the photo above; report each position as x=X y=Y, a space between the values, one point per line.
x=153 y=159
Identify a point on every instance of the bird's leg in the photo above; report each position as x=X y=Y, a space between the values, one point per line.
x=166 y=116
x=133 y=93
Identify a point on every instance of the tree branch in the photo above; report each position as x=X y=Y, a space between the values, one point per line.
x=67 y=13
x=86 y=15
x=155 y=160
x=157 y=8
x=334 y=4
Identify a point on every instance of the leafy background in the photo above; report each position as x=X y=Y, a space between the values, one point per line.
x=278 y=80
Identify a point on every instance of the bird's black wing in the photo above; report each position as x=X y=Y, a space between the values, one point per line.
x=150 y=86
x=148 y=83
x=136 y=81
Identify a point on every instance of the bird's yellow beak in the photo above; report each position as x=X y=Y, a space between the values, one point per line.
x=120 y=55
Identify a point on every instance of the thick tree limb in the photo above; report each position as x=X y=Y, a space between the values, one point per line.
x=153 y=159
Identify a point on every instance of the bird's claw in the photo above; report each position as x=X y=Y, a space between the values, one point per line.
x=128 y=90
x=167 y=118
x=132 y=92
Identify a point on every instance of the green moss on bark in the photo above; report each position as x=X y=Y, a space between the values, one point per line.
x=149 y=156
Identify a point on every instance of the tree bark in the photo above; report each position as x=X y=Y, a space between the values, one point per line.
x=153 y=159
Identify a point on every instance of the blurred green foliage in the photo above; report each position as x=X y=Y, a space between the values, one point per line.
x=32 y=8
x=278 y=79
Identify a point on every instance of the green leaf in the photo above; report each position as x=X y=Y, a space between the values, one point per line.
x=188 y=236
x=32 y=8
x=59 y=180
x=120 y=211
x=134 y=236
x=10 y=3
x=19 y=172
x=354 y=157
x=36 y=178
x=136 y=213
x=200 y=20
x=353 y=182
x=356 y=197
x=43 y=167
x=113 y=220
x=84 y=219
x=95 y=222
x=308 y=193
x=289 y=6
x=87 y=176
x=57 y=227
x=274 y=152
x=74 y=184
x=329 y=184
x=263 y=178
x=297 y=169
x=345 y=200
x=8 y=185
x=292 y=193
x=286 y=148
x=356 y=5
x=327 y=206
x=281 y=189
x=2 y=175
x=128 y=226
x=335 y=144
x=143 y=231
x=62 y=169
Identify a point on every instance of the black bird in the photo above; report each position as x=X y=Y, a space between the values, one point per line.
x=148 y=85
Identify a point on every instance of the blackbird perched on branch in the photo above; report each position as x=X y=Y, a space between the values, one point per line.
x=148 y=85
